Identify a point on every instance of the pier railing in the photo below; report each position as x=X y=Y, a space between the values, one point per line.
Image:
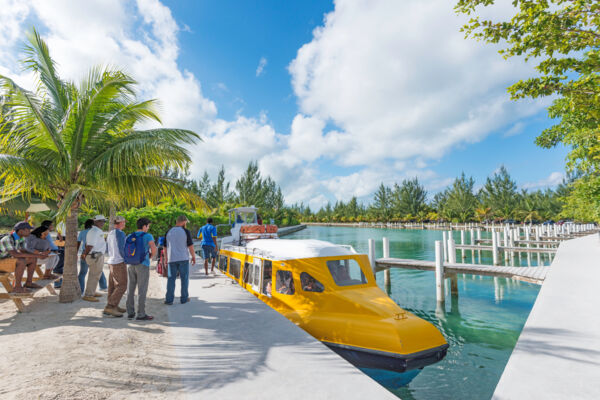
x=508 y=246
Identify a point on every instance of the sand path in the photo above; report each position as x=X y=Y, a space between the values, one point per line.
x=72 y=351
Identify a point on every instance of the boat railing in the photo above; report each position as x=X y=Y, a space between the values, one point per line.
x=249 y=251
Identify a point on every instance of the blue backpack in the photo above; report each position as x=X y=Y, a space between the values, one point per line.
x=135 y=252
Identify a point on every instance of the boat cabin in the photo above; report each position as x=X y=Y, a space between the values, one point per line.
x=245 y=226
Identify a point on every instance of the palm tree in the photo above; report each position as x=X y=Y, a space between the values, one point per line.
x=78 y=144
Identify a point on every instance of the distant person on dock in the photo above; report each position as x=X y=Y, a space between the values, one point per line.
x=117 y=280
x=139 y=249
x=180 y=249
x=209 y=244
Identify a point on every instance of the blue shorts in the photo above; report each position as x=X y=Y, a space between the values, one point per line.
x=209 y=252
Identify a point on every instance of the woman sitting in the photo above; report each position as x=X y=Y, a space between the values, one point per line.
x=37 y=244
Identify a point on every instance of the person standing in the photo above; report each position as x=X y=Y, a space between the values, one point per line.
x=180 y=248
x=139 y=274
x=83 y=267
x=58 y=268
x=209 y=244
x=117 y=280
x=93 y=254
x=13 y=246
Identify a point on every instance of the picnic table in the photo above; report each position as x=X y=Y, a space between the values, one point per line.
x=7 y=278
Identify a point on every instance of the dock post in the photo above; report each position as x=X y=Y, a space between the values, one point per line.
x=454 y=284
x=372 y=254
x=445 y=245
x=495 y=247
x=439 y=273
x=472 y=244
x=478 y=251
x=387 y=281
x=462 y=241
x=451 y=251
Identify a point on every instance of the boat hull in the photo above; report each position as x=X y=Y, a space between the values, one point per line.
x=367 y=358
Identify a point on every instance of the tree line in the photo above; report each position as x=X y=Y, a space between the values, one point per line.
x=499 y=199
x=250 y=189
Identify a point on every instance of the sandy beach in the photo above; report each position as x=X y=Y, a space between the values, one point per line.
x=73 y=351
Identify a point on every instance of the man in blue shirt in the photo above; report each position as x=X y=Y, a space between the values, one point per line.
x=139 y=275
x=209 y=244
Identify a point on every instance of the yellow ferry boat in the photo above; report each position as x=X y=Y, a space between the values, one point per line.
x=329 y=291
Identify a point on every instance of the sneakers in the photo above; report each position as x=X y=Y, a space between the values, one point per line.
x=145 y=318
x=90 y=298
x=98 y=294
x=112 y=311
x=169 y=303
x=131 y=316
x=121 y=310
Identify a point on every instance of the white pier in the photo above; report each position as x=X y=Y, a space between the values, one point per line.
x=557 y=355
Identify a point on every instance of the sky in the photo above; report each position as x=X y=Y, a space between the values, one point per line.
x=331 y=98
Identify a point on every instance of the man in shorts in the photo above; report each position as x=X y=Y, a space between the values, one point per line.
x=209 y=244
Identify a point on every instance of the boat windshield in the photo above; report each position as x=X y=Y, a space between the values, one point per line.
x=346 y=272
x=248 y=217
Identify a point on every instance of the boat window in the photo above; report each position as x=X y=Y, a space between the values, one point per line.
x=246 y=272
x=346 y=272
x=223 y=263
x=234 y=268
x=284 y=282
x=267 y=277
x=310 y=284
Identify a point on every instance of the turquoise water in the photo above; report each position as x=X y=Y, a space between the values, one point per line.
x=482 y=326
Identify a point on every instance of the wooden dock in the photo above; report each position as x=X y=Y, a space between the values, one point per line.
x=502 y=248
x=528 y=274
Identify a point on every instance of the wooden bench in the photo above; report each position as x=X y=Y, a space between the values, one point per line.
x=7 y=278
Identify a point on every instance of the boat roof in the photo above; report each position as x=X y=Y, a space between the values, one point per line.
x=290 y=249
x=244 y=209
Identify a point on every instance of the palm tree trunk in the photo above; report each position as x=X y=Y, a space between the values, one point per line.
x=70 y=290
x=111 y=218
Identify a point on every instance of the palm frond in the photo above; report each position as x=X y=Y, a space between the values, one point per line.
x=39 y=60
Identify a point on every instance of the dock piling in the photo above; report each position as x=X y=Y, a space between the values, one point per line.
x=372 y=254
x=439 y=273
x=387 y=279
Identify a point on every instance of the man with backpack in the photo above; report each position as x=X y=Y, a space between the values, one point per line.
x=139 y=249
x=180 y=248
x=117 y=280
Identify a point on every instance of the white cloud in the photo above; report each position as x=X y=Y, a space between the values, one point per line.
x=139 y=37
x=401 y=81
x=262 y=63
x=551 y=180
x=397 y=78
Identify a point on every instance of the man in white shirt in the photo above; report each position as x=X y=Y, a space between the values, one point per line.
x=93 y=254
x=117 y=280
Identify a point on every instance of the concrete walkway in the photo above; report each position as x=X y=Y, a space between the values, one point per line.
x=558 y=352
x=232 y=346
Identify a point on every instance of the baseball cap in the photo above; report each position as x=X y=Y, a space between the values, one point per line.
x=119 y=219
x=22 y=225
x=99 y=217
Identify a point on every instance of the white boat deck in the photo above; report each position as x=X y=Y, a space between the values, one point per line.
x=231 y=345
x=557 y=355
